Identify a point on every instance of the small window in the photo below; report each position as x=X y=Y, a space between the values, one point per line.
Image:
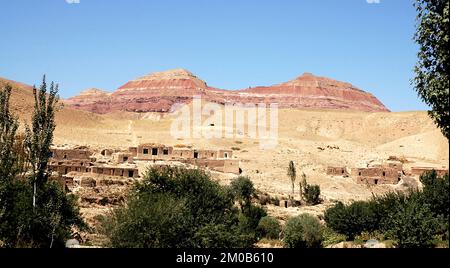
x=145 y=151
x=65 y=156
x=154 y=151
x=359 y=173
x=195 y=155
x=226 y=155
x=165 y=151
x=125 y=158
x=376 y=181
x=130 y=173
x=384 y=173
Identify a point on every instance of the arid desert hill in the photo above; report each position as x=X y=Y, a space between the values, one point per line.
x=158 y=92
x=313 y=139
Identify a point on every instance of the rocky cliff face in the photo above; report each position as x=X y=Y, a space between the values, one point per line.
x=157 y=92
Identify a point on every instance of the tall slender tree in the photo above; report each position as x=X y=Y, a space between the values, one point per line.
x=431 y=79
x=39 y=138
x=292 y=173
x=8 y=128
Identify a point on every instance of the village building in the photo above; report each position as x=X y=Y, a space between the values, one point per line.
x=377 y=175
x=337 y=171
x=134 y=161
x=418 y=171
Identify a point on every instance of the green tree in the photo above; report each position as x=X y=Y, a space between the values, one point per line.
x=292 y=173
x=269 y=227
x=243 y=190
x=181 y=208
x=39 y=138
x=148 y=221
x=8 y=128
x=436 y=193
x=351 y=220
x=311 y=194
x=304 y=231
x=413 y=225
x=22 y=224
x=432 y=69
x=301 y=186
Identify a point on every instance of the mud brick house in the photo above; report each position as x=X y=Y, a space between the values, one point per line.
x=337 y=171
x=219 y=160
x=64 y=167
x=122 y=157
x=418 y=171
x=153 y=151
x=119 y=171
x=69 y=154
x=377 y=175
x=125 y=163
x=221 y=165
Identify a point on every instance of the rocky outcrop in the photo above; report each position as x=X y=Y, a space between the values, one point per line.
x=93 y=100
x=158 y=92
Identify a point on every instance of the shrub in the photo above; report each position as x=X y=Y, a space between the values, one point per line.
x=413 y=226
x=330 y=237
x=312 y=194
x=149 y=221
x=304 y=231
x=436 y=193
x=249 y=218
x=243 y=190
x=351 y=220
x=269 y=227
x=175 y=207
x=414 y=219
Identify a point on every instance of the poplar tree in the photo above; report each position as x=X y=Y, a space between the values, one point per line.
x=292 y=173
x=39 y=137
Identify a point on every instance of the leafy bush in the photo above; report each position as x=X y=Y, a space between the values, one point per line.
x=304 y=231
x=413 y=226
x=243 y=190
x=351 y=220
x=312 y=194
x=249 y=218
x=269 y=227
x=412 y=220
x=436 y=193
x=331 y=237
x=175 y=207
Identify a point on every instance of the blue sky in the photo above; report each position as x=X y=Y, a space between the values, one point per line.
x=230 y=44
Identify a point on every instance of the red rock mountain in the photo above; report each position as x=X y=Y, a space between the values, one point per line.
x=157 y=92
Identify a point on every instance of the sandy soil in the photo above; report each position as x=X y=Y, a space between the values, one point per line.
x=359 y=137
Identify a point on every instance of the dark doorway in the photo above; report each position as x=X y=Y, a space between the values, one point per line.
x=376 y=181
x=154 y=151
x=195 y=155
x=130 y=173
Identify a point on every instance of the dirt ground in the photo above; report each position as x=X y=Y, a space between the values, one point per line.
x=312 y=139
